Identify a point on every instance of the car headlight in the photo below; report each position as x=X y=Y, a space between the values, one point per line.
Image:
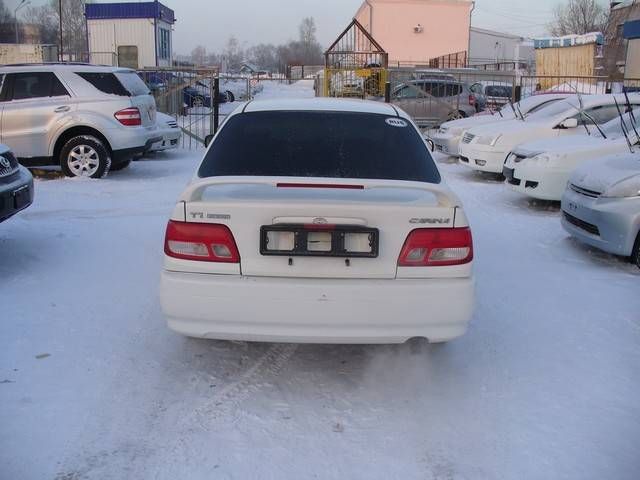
x=443 y=130
x=491 y=141
x=542 y=159
x=457 y=131
x=626 y=188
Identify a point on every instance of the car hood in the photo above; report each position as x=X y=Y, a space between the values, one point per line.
x=562 y=145
x=515 y=129
x=601 y=174
x=476 y=121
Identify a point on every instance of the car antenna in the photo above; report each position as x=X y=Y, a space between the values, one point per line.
x=623 y=127
x=631 y=114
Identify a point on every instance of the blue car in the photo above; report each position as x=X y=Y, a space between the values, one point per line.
x=198 y=95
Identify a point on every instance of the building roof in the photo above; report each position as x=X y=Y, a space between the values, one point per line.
x=496 y=34
x=120 y=10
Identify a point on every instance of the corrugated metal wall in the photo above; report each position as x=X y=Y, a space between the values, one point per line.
x=106 y=35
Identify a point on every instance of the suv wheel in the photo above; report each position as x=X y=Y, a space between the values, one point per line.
x=635 y=255
x=85 y=156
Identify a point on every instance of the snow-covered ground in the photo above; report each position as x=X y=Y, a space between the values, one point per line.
x=545 y=385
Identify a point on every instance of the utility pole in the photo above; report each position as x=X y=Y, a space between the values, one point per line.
x=61 y=53
x=23 y=3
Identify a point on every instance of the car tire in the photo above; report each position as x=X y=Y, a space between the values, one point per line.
x=85 y=156
x=120 y=166
x=230 y=96
x=456 y=115
x=635 y=254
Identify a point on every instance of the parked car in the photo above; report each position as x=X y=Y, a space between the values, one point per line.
x=496 y=94
x=447 y=138
x=331 y=241
x=87 y=119
x=199 y=95
x=601 y=205
x=16 y=185
x=541 y=169
x=486 y=147
x=430 y=101
x=170 y=132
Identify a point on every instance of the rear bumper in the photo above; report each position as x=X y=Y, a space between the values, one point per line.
x=169 y=139
x=16 y=194
x=125 y=154
x=232 y=307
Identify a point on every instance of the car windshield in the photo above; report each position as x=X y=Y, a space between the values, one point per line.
x=613 y=127
x=320 y=144
x=556 y=108
x=133 y=83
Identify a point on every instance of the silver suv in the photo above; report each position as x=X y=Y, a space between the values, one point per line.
x=88 y=119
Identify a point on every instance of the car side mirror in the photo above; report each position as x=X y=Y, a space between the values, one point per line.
x=432 y=146
x=569 y=123
x=207 y=140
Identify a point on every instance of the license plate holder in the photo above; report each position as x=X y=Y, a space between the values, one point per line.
x=313 y=241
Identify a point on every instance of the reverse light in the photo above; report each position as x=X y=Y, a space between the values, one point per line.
x=129 y=117
x=427 y=247
x=205 y=242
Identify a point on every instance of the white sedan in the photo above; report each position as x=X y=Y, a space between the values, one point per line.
x=308 y=233
x=485 y=148
x=447 y=138
x=541 y=169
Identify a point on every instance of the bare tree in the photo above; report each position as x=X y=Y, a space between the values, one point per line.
x=199 y=55
x=74 y=32
x=577 y=17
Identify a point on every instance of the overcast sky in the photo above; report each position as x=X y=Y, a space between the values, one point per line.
x=211 y=23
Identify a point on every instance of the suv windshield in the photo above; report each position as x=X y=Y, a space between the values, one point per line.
x=320 y=144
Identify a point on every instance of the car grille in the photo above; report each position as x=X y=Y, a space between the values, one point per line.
x=8 y=164
x=584 y=191
x=586 y=226
x=172 y=124
x=468 y=137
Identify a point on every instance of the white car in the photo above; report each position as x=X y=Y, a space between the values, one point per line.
x=541 y=169
x=169 y=130
x=448 y=137
x=309 y=233
x=485 y=148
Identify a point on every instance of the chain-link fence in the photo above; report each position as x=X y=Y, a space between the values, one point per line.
x=197 y=100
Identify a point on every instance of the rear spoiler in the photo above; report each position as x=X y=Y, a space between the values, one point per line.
x=444 y=196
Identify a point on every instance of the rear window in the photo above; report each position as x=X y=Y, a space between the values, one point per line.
x=133 y=83
x=498 y=91
x=122 y=84
x=320 y=144
x=105 y=82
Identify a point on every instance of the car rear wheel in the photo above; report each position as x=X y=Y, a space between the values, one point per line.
x=85 y=156
x=230 y=96
x=120 y=166
x=197 y=102
x=635 y=255
x=456 y=115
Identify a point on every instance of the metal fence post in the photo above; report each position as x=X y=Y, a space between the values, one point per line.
x=216 y=105
x=387 y=92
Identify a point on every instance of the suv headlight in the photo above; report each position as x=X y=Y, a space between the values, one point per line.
x=491 y=141
x=624 y=189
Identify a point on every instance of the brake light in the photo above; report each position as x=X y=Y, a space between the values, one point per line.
x=129 y=117
x=472 y=100
x=428 y=247
x=205 y=242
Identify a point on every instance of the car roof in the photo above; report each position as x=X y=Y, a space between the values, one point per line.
x=323 y=104
x=62 y=67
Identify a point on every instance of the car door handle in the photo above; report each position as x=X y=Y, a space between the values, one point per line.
x=62 y=109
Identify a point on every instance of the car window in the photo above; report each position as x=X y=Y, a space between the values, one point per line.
x=408 y=91
x=438 y=90
x=105 y=82
x=133 y=83
x=498 y=91
x=354 y=145
x=538 y=107
x=557 y=108
x=35 y=85
x=453 y=89
x=600 y=114
x=476 y=88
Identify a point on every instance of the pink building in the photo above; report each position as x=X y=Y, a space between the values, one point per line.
x=415 y=31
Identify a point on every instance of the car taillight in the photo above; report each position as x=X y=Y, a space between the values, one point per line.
x=129 y=117
x=205 y=242
x=428 y=247
x=472 y=100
